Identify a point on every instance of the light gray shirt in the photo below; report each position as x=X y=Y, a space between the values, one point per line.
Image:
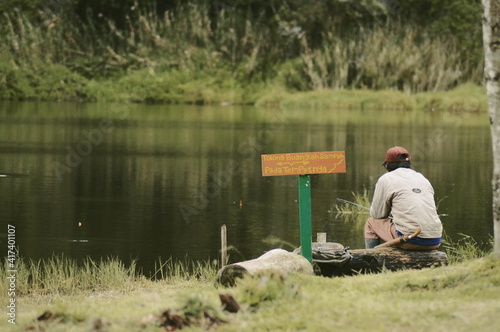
x=409 y=197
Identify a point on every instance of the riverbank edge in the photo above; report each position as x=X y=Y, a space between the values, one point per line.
x=58 y=83
x=458 y=297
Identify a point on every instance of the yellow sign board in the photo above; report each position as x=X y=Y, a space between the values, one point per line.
x=303 y=163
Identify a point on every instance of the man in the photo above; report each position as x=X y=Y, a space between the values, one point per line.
x=403 y=200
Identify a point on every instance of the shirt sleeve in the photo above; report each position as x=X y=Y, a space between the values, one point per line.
x=381 y=204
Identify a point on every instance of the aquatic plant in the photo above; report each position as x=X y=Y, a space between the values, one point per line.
x=186 y=269
x=465 y=248
x=354 y=212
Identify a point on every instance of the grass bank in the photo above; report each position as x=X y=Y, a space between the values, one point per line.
x=463 y=296
x=219 y=87
x=469 y=98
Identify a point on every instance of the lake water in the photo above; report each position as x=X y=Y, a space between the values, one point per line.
x=150 y=182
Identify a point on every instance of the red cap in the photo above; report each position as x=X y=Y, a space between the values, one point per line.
x=397 y=154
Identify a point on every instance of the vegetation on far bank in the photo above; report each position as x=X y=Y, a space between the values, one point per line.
x=330 y=54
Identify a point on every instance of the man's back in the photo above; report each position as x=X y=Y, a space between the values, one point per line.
x=409 y=197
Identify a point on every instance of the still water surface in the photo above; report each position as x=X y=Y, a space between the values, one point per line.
x=147 y=181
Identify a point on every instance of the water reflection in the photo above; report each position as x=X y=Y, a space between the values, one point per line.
x=139 y=181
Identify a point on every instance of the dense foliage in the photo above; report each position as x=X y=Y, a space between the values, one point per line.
x=413 y=45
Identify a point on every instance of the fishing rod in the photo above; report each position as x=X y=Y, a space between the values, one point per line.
x=352 y=203
x=364 y=207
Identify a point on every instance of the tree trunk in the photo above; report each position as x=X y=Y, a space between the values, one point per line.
x=375 y=260
x=491 y=41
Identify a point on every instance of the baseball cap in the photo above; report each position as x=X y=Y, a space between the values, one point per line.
x=397 y=154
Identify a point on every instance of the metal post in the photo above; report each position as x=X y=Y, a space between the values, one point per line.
x=305 y=216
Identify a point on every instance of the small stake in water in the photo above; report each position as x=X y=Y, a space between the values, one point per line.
x=223 y=240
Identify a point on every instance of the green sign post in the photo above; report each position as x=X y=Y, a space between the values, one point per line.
x=304 y=164
x=305 y=216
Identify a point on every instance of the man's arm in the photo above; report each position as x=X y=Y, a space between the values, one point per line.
x=381 y=205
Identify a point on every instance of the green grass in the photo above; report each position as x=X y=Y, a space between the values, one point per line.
x=454 y=298
x=461 y=297
x=187 y=269
x=60 y=295
x=466 y=98
x=62 y=275
x=55 y=82
x=464 y=249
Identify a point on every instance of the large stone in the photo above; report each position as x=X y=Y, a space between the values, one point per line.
x=276 y=260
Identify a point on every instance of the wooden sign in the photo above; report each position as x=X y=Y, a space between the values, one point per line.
x=303 y=163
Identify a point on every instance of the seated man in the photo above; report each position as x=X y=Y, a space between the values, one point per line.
x=403 y=200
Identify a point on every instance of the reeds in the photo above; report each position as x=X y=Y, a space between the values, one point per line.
x=465 y=249
x=386 y=57
x=356 y=211
x=187 y=269
x=63 y=275
x=243 y=47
